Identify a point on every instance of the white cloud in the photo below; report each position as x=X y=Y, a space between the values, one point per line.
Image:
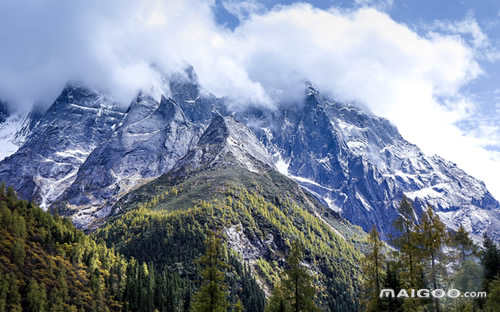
x=360 y=55
x=468 y=26
x=382 y=5
x=470 y=31
x=243 y=9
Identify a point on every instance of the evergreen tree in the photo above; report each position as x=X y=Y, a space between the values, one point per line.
x=4 y=291
x=490 y=259
x=238 y=306
x=468 y=277
x=407 y=244
x=252 y=297
x=36 y=297
x=278 y=302
x=467 y=272
x=463 y=243
x=18 y=252
x=56 y=303
x=392 y=281
x=186 y=299
x=14 y=297
x=433 y=237
x=373 y=266
x=97 y=286
x=298 y=287
x=493 y=301
x=212 y=295
x=409 y=253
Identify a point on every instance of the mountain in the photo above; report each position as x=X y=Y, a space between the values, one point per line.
x=48 y=161
x=146 y=143
x=360 y=166
x=86 y=152
x=227 y=183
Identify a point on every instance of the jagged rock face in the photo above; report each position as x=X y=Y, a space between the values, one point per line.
x=198 y=107
x=226 y=142
x=48 y=161
x=147 y=143
x=360 y=166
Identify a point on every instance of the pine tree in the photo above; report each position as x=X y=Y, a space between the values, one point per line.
x=433 y=237
x=372 y=267
x=212 y=295
x=252 y=296
x=464 y=244
x=408 y=254
x=298 y=284
x=14 y=298
x=278 y=302
x=36 y=297
x=468 y=277
x=407 y=244
x=18 y=252
x=490 y=259
x=467 y=272
x=56 y=303
x=238 y=307
x=493 y=301
x=392 y=281
x=4 y=291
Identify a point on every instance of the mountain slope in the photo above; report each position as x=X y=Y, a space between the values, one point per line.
x=220 y=185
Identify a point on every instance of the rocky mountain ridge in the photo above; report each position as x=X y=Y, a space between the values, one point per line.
x=85 y=152
x=360 y=166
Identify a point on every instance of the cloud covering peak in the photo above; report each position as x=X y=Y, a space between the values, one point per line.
x=110 y=45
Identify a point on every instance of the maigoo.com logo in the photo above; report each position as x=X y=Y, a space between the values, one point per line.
x=431 y=293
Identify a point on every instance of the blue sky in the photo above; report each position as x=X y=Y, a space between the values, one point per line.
x=430 y=67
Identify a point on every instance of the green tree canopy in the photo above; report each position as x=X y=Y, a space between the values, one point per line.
x=212 y=295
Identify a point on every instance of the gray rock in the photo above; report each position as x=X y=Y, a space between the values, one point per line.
x=150 y=140
x=59 y=143
x=226 y=142
x=360 y=166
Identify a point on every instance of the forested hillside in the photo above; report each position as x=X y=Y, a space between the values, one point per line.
x=46 y=264
x=260 y=216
